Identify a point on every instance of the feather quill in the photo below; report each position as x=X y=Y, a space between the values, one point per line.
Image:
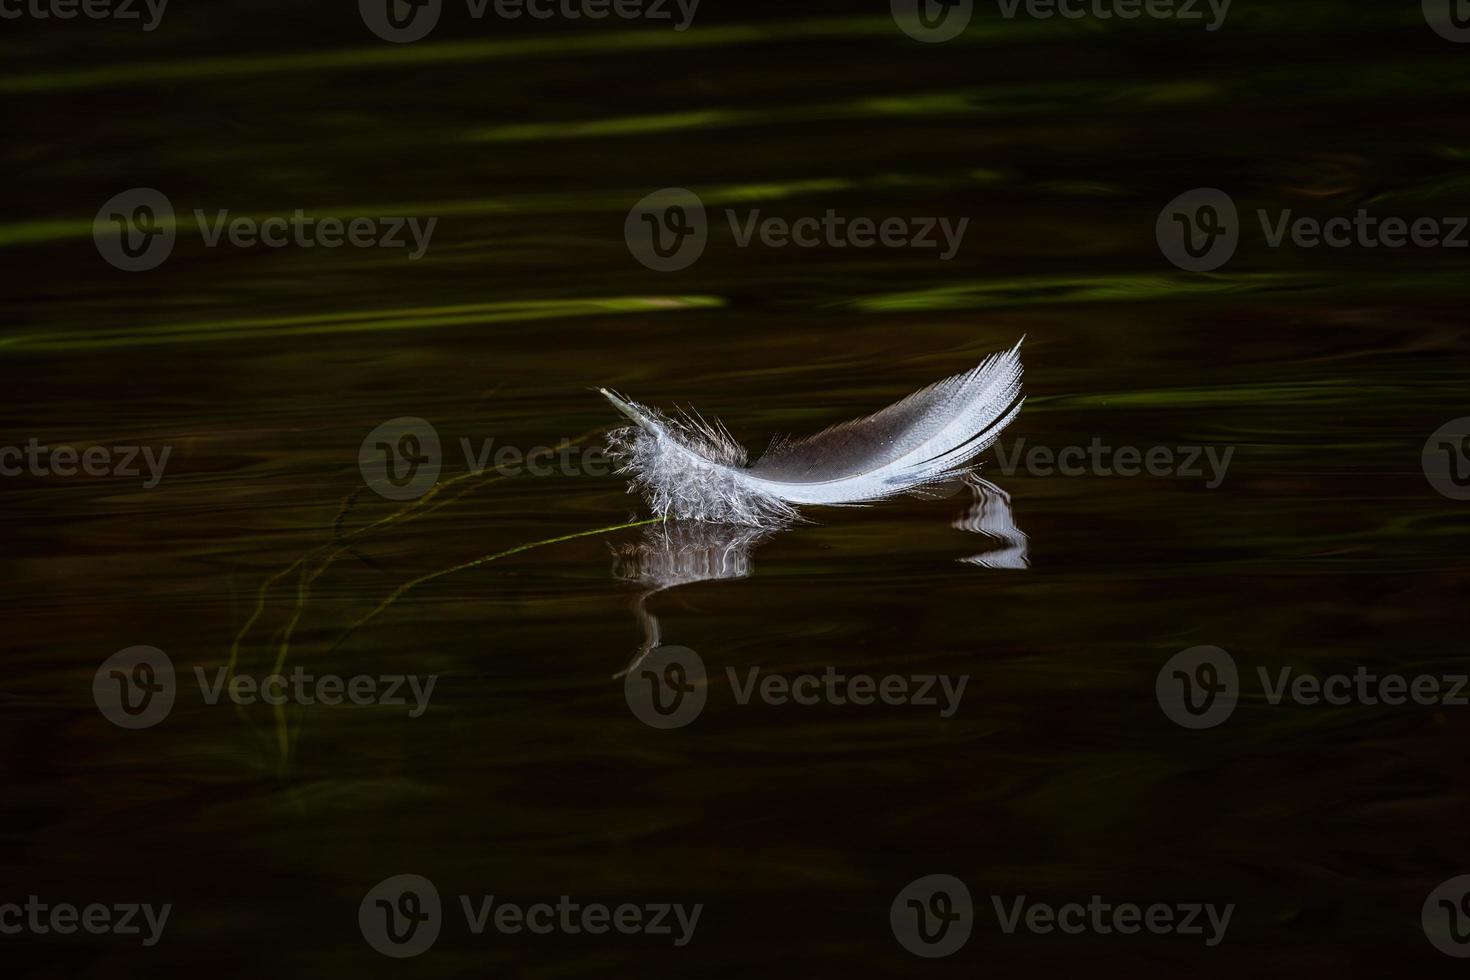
x=692 y=470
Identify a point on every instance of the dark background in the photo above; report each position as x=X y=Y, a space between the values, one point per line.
x=1059 y=778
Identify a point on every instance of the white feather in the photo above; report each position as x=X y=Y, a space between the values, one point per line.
x=692 y=470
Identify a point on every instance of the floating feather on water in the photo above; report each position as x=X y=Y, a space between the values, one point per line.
x=692 y=470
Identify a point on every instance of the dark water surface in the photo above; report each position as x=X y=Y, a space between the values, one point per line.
x=1322 y=548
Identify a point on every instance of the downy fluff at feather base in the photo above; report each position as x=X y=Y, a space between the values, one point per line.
x=692 y=470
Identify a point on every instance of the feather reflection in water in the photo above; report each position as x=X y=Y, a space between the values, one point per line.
x=990 y=515
x=681 y=553
x=677 y=553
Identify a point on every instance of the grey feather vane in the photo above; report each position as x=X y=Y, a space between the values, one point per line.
x=692 y=470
